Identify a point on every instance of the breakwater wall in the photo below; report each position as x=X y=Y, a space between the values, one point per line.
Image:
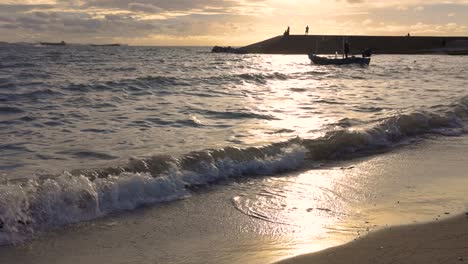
x=329 y=44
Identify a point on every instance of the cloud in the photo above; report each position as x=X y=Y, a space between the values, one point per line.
x=166 y=5
x=6 y=19
x=367 y=22
x=233 y=22
x=18 y=8
x=146 y=8
x=420 y=29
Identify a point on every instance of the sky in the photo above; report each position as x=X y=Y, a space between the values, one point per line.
x=222 y=22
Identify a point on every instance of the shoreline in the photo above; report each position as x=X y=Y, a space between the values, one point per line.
x=410 y=182
x=441 y=237
x=443 y=241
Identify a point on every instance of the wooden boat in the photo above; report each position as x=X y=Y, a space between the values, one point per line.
x=338 y=61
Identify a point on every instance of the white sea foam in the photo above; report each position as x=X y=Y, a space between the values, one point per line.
x=43 y=204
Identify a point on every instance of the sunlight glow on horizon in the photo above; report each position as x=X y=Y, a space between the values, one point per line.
x=223 y=22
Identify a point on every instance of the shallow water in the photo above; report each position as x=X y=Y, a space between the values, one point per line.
x=64 y=108
x=92 y=130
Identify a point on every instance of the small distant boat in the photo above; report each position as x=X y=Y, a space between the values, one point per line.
x=62 y=43
x=105 y=45
x=338 y=61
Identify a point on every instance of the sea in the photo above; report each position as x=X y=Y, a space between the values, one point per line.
x=91 y=133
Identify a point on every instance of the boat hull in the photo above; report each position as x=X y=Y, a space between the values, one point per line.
x=53 y=43
x=335 y=61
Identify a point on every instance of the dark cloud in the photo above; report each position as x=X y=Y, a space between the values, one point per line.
x=6 y=19
x=166 y=5
x=88 y=20
x=9 y=26
x=31 y=20
x=17 y=8
x=69 y=23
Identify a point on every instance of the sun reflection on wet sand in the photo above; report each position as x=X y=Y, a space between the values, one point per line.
x=333 y=205
x=306 y=209
x=323 y=202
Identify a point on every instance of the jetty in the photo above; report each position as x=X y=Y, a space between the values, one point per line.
x=329 y=44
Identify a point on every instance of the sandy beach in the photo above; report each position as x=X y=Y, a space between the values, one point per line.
x=442 y=239
x=435 y=242
x=128 y=137
x=375 y=193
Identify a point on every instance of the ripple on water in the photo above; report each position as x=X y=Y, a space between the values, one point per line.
x=10 y=110
x=87 y=154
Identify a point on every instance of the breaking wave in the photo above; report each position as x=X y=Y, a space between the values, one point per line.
x=43 y=202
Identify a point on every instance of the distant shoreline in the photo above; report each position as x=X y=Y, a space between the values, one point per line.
x=106 y=45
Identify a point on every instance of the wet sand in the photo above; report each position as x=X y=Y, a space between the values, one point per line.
x=407 y=234
x=435 y=242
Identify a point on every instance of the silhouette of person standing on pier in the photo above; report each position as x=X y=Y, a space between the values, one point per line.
x=346 y=49
x=307 y=30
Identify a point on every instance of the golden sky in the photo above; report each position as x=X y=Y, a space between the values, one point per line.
x=221 y=22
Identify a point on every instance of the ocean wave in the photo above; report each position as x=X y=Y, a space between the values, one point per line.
x=368 y=109
x=237 y=78
x=81 y=87
x=163 y=81
x=33 y=95
x=6 y=84
x=14 y=147
x=160 y=84
x=139 y=84
x=44 y=202
x=331 y=102
x=261 y=78
x=10 y=110
x=18 y=65
x=388 y=133
x=239 y=114
x=32 y=75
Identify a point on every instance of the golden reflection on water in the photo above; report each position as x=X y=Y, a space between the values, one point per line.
x=321 y=204
x=290 y=102
x=308 y=210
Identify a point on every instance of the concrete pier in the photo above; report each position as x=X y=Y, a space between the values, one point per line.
x=329 y=44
